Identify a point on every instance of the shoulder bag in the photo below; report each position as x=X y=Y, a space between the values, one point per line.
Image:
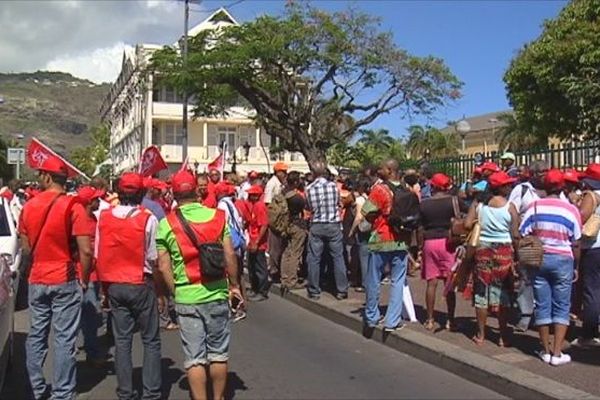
x=530 y=250
x=592 y=225
x=211 y=255
x=457 y=234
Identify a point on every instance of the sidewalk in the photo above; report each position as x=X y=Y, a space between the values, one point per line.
x=513 y=371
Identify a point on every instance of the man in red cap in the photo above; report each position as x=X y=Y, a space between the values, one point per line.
x=90 y=197
x=197 y=264
x=206 y=192
x=257 y=246
x=249 y=181
x=155 y=188
x=572 y=189
x=126 y=259
x=49 y=223
x=275 y=187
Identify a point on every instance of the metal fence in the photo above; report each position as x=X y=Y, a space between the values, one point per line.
x=564 y=155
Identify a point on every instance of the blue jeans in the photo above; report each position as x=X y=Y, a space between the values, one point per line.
x=398 y=261
x=552 y=289
x=363 y=256
x=205 y=331
x=59 y=305
x=319 y=237
x=91 y=320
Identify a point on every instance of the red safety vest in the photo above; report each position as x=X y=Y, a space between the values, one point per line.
x=206 y=232
x=121 y=247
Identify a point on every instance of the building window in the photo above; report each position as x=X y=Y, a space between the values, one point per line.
x=228 y=134
x=247 y=134
x=156 y=135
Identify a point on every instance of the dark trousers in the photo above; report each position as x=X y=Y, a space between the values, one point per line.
x=259 y=272
x=276 y=244
x=133 y=305
x=292 y=255
x=590 y=266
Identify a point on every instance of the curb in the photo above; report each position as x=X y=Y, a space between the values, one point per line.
x=500 y=377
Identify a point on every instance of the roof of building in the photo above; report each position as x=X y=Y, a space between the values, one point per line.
x=480 y=122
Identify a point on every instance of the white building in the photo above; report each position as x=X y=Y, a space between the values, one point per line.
x=141 y=112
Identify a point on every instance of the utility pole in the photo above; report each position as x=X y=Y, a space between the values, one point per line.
x=184 y=127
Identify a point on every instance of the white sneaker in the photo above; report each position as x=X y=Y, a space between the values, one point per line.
x=545 y=357
x=560 y=360
x=581 y=342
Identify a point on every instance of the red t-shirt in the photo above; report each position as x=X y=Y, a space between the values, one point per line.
x=91 y=223
x=258 y=219
x=382 y=197
x=52 y=262
x=210 y=201
x=243 y=207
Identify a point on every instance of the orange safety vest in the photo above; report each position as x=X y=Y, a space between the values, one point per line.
x=121 y=247
x=206 y=232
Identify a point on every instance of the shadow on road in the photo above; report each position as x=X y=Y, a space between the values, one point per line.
x=16 y=383
x=234 y=384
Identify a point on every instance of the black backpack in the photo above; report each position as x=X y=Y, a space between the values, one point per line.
x=405 y=216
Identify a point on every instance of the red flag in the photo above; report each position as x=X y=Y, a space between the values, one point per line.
x=151 y=162
x=38 y=154
x=217 y=163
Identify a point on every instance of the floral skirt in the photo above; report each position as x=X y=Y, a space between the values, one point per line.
x=493 y=279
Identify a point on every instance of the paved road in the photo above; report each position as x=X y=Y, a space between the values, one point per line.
x=283 y=352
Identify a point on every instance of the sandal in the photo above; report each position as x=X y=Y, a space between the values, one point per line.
x=478 y=340
x=429 y=325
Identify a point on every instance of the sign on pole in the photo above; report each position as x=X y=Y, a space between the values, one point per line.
x=15 y=156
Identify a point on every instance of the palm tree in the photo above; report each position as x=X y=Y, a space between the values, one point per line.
x=380 y=139
x=423 y=139
x=511 y=136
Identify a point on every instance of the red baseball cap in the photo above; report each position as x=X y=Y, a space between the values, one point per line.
x=554 y=178
x=490 y=166
x=158 y=184
x=592 y=172
x=441 y=181
x=131 y=182
x=86 y=194
x=54 y=165
x=224 y=188
x=572 y=176
x=499 y=179
x=255 y=189
x=183 y=181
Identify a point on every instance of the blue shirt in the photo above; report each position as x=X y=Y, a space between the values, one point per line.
x=154 y=207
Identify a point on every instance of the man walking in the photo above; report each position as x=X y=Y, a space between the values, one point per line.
x=258 y=227
x=385 y=247
x=274 y=187
x=322 y=199
x=126 y=258
x=196 y=260
x=49 y=222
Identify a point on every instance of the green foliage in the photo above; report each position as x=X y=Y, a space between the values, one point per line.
x=314 y=78
x=6 y=171
x=515 y=138
x=89 y=157
x=426 y=141
x=373 y=147
x=553 y=83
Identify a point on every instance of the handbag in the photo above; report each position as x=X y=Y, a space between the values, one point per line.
x=210 y=255
x=591 y=228
x=457 y=233
x=530 y=250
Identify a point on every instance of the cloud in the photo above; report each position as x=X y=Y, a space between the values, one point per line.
x=85 y=38
x=100 y=65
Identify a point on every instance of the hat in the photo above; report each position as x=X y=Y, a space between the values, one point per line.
x=253 y=175
x=157 y=184
x=554 y=179
x=131 y=182
x=54 y=165
x=591 y=176
x=490 y=166
x=572 y=176
x=499 y=179
x=224 y=188
x=183 y=181
x=508 y=156
x=280 y=166
x=255 y=189
x=86 y=194
x=441 y=181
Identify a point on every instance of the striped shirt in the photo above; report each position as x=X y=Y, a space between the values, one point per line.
x=556 y=222
x=322 y=199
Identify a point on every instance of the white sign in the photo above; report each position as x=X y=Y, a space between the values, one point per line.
x=15 y=156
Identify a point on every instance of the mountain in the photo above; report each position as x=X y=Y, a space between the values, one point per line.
x=56 y=107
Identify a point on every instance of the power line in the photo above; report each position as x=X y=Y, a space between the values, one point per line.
x=227 y=6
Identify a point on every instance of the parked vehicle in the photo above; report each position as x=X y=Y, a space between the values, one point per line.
x=10 y=248
x=7 y=311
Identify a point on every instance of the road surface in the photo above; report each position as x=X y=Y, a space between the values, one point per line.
x=280 y=352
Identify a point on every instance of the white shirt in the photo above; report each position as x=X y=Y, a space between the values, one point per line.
x=273 y=188
x=151 y=254
x=223 y=205
x=523 y=198
x=242 y=194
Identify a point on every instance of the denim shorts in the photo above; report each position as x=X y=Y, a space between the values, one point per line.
x=552 y=290
x=205 y=331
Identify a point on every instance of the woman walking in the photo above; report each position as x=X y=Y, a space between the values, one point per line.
x=494 y=256
x=437 y=213
x=557 y=223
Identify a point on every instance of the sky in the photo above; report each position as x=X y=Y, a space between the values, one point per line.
x=476 y=38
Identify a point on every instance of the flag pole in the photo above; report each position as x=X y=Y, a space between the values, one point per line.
x=74 y=168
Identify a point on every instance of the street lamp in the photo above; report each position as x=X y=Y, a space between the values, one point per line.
x=463 y=127
x=492 y=121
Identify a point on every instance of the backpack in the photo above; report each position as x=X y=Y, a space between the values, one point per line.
x=279 y=215
x=405 y=216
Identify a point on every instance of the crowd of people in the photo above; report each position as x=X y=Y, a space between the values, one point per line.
x=172 y=253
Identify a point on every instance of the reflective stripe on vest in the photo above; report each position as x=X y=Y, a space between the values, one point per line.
x=206 y=232
x=121 y=247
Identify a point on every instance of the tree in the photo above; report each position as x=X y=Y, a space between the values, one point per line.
x=512 y=136
x=553 y=83
x=379 y=139
x=6 y=171
x=306 y=73
x=426 y=140
x=89 y=157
